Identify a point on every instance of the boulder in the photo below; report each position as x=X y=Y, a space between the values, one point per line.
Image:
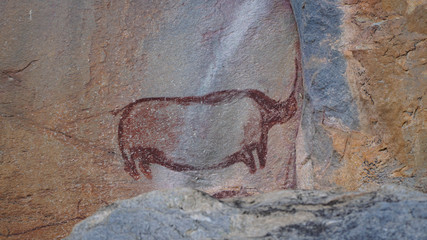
x=389 y=213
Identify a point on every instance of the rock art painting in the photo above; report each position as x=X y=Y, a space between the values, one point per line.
x=150 y=128
x=212 y=100
x=152 y=131
x=218 y=109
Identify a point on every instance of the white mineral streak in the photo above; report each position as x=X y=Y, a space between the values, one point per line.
x=198 y=118
x=248 y=14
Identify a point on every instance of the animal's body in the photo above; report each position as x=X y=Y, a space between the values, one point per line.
x=200 y=132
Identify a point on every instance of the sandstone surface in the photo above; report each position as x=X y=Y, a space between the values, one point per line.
x=67 y=68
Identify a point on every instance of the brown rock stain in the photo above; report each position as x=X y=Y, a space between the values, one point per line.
x=387 y=74
x=363 y=160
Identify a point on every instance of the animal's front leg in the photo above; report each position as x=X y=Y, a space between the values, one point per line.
x=261 y=148
x=248 y=158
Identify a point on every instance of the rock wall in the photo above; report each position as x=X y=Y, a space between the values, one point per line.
x=327 y=91
x=66 y=67
x=47 y=181
x=365 y=82
x=181 y=51
x=385 y=45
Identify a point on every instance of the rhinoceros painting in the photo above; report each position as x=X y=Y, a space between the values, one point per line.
x=152 y=130
x=212 y=100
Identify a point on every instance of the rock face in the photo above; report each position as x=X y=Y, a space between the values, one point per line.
x=388 y=76
x=211 y=79
x=73 y=73
x=389 y=213
x=105 y=100
x=365 y=82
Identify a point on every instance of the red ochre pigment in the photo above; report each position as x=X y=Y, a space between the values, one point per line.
x=271 y=112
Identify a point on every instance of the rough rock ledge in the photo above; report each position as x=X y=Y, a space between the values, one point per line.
x=391 y=212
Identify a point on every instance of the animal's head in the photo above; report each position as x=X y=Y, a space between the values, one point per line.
x=288 y=109
x=281 y=112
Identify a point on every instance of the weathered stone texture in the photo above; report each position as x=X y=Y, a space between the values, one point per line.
x=67 y=66
x=181 y=49
x=44 y=50
x=326 y=91
x=390 y=213
x=385 y=48
x=365 y=86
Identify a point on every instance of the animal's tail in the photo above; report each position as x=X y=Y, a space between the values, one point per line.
x=115 y=112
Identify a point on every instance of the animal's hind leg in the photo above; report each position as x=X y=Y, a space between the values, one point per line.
x=261 y=149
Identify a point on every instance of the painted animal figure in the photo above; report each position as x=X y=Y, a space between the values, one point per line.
x=198 y=133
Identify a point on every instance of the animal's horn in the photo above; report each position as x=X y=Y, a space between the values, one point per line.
x=288 y=108
x=297 y=70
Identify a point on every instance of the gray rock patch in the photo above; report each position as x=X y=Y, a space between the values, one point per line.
x=390 y=213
